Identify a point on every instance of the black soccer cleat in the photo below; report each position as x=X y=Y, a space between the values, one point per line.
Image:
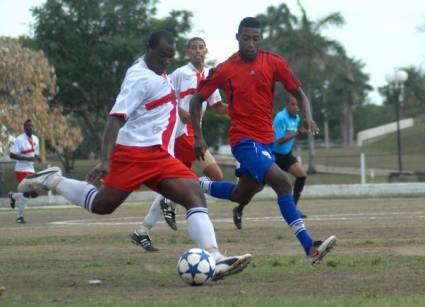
x=144 y=241
x=169 y=213
x=20 y=220
x=237 y=217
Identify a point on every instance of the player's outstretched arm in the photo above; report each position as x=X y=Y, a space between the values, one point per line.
x=195 y=118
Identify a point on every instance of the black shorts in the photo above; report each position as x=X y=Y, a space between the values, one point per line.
x=285 y=161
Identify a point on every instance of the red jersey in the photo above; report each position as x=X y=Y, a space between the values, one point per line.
x=249 y=87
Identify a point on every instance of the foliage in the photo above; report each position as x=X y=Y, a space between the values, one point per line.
x=26 y=80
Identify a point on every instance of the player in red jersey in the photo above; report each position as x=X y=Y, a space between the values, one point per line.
x=248 y=79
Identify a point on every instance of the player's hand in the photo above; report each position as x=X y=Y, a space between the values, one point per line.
x=200 y=147
x=310 y=126
x=97 y=173
x=302 y=130
x=184 y=116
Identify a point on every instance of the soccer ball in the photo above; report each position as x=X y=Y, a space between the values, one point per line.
x=196 y=266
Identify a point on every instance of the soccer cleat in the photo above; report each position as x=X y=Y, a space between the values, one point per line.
x=230 y=265
x=237 y=217
x=20 y=220
x=12 y=200
x=169 y=213
x=321 y=249
x=144 y=241
x=37 y=182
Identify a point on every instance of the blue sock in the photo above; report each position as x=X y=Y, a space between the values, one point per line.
x=221 y=189
x=292 y=217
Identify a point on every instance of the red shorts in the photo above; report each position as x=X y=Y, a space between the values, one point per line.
x=133 y=166
x=183 y=149
x=22 y=175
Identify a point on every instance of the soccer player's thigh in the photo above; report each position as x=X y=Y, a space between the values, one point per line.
x=278 y=180
x=297 y=170
x=209 y=167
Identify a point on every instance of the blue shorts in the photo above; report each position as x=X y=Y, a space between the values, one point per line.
x=255 y=158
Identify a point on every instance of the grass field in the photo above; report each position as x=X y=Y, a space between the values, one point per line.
x=379 y=259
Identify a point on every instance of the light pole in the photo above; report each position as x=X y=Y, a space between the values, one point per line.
x=396 y=82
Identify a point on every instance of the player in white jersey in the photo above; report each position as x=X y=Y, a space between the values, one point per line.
x=137 y=149
x=185 y=80
x=25 y=151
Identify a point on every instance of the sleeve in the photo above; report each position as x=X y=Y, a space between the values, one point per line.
x=214 y=98
x=279 y=126
x=213 y=82
x=285 y=75
x=132 y=93
x=16 y=148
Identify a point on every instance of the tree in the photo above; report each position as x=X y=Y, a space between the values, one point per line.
x=91 y=44
x=26 y=80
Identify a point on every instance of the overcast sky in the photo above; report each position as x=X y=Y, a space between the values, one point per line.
x=382 y=33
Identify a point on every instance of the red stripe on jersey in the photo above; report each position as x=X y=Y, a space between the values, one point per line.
x=166 y=136
x=187 y=92
x=159 y=102
x=32 y=146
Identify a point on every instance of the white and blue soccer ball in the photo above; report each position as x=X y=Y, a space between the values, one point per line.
x=196 y=266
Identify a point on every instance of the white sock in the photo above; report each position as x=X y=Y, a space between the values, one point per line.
x=153 y=216
x=80 y=193
x=205 y=183
x=17 y=195
x=200 y=228
x=23 y=203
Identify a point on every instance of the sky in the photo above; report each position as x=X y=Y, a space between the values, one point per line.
x=384 y=34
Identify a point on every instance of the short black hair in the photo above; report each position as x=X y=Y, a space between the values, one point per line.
x=196 y=38
x=249 y=22
x=157 y=36
x=28 y=121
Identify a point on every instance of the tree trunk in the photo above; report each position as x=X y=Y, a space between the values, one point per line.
x=347 y=123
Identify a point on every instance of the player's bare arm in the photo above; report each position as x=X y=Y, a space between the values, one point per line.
x=304 y=104
x=110 y=133
x=20 y=158
x=195 y=117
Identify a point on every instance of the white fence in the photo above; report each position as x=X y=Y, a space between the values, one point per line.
x=369 y=134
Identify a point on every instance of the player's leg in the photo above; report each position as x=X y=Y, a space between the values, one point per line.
x=141 y=235
x=22 y=201
x=210 y=167
x=297 y=170
x=315 y=250
x=188 y=192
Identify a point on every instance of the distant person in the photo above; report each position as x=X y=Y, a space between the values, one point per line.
x=185 y=80
x=248 y=79
x=26 y=152
x=137 y=149
x=287 y=128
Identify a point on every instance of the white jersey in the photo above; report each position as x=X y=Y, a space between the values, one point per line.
x=186 y=80
x=27 y=147
x=148 y=103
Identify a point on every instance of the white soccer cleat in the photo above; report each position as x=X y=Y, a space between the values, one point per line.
x=37 y=182
x=230 y=265
x=321 y=249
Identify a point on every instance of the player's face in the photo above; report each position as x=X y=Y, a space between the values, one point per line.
x=160 y=57
x=292 y=107
x=249 y=42
x=196 y=52
x=28 y=129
